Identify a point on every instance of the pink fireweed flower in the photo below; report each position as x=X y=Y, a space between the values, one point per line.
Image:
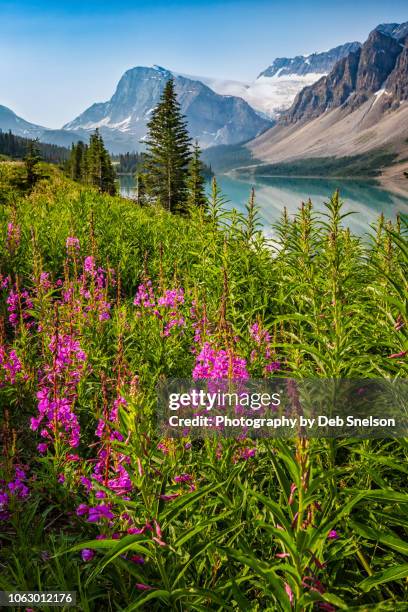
x=217 y=364
x=57 y=390
x=114 y=413
x=171 y=298
x=89 y=265
x=100 y=512
x=87 y=554
x=165 y=307
x=145 y=296
x=72 y=244
x=163 y=447
x=183 y=478
x=10 y=366
x=262 y=354
x=86 y=483
x=244 y=454
x=44 y=281
x=4 y=282
x=260 y=335
x=19 y=304
x=143 y=587
x=82 y=510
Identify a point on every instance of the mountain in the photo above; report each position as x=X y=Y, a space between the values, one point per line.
x=212 y=118
x=316 y=63
x=360 y=106
x=9 y=121
x=274 y=90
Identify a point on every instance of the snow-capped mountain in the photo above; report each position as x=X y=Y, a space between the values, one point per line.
x=212 y=119
x=361 y=106
x=316 y=63
x=275 y=88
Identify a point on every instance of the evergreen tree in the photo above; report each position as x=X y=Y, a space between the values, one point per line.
x=168 y=153
x=76 y=161
x=196 y=181
x=31 y=159
x=100 y=171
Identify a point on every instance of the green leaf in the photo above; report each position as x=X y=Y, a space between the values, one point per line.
x=398 y=572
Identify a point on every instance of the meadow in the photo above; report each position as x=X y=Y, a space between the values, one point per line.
x=100 y=299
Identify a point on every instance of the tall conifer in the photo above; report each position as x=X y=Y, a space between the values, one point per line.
x=100 y=171
x=168 y=154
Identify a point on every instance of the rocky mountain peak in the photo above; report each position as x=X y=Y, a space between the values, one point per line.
x=355 y=78
x=212 y=118
x=315 y=63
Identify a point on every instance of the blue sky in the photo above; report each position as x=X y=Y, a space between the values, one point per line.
x=58 y=57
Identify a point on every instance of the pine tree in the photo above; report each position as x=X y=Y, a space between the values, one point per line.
x=168 y=153
x=31 y=160
x=76 y=161
x=196 y=181
x=100 y=171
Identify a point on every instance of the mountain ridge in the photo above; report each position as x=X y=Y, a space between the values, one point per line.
x=211 y=118
x=360 y=106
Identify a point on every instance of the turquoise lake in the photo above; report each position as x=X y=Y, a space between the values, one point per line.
x=365 y=198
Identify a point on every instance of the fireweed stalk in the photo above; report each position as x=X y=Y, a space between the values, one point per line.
x=57 y=392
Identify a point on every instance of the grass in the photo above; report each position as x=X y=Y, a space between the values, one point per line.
x=280 y=525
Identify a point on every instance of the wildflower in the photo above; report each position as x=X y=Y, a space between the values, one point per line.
x=10 y=364
x=87 y=554
x=143 y=587
x=89 y=264
x=42 y=447
x=72 y=243
x=61 y=478
x=218 y=364
x=86 y=483
x=332 y=535
x=82 y=509
x=100 y=512
x=183 y=478
x=44 y=281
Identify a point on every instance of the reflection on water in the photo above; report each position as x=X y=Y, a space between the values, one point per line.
x=364 y=198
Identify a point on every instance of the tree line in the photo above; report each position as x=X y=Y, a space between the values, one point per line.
x=91 y=164
x=16 y=147
x=170 y=173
